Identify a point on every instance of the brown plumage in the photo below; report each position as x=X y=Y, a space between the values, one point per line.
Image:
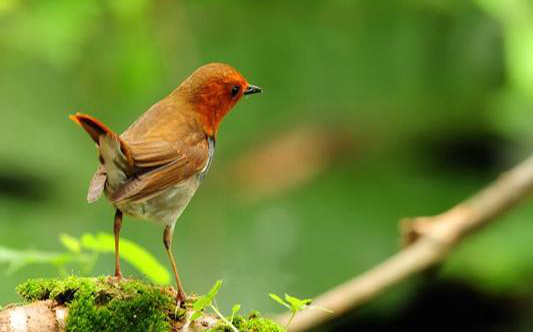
x=152 y=170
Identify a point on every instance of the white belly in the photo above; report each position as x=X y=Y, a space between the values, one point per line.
x=166 y=207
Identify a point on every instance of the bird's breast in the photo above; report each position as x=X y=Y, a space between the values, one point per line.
x=166 y=207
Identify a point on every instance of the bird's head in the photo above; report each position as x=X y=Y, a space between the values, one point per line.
x=213 y=90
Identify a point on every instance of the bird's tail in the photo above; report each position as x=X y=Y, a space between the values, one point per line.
x=92 y=126
x=114 y=153
x=97 y=130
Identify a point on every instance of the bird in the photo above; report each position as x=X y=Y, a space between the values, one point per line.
x=153 y=169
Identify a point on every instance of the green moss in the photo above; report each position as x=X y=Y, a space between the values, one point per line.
x=103 y=304
x=36 y=289
x=100 y=304
x=254 y=323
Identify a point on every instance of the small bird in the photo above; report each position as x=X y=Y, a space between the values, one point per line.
x=152 y=170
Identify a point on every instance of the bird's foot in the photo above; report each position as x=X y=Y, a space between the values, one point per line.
x=118 y=276
x=181 y=297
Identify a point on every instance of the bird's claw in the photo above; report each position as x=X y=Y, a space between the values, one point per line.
x=181 y=298
x=118 y=276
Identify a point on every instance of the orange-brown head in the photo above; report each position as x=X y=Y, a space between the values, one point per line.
x=213 y=90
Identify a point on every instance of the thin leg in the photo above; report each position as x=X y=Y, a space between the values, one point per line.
x=116 y=231
x=167 y=241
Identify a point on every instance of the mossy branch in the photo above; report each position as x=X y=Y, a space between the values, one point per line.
x=106 y=305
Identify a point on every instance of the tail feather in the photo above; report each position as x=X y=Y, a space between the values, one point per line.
x=95 y=129
x=115 y=156
x=92 y=126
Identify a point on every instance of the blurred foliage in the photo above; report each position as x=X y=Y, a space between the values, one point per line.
x=513 y=112
x=134 y=254
x=17 y=259
x=393 y=108
x=93 y=245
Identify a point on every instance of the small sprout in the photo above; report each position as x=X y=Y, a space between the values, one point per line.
x=279 y=300
x=295 y=305
x=196 y=315
x=214 y=290
x=205 y=301
x=199 y=306
x=234 y=310
x=201 y=303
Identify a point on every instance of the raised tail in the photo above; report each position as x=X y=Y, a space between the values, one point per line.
x=92 y=126
x=115 y=156
x=97 y=130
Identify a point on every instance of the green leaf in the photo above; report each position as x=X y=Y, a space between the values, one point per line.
x=196 y=315
x=296 y=303
x=213 y=292
x=201 y=303
x=134 y=254
x=235 y=309
x=279 y=300
x=20 y=258
x=70 y=242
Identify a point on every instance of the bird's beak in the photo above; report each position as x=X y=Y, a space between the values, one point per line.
x=251 y=89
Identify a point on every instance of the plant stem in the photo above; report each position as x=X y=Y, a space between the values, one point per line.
x=223 y=318
x=290 y=319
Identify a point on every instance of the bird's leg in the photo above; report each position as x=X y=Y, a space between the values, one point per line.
x=167 y=241
x=116 y=231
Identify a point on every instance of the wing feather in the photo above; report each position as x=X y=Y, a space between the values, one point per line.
x=161 y=165
x=153 y=153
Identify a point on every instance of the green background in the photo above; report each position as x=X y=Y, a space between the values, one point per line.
x=373 y=110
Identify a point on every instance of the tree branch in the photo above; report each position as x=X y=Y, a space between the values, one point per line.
x=428 y=241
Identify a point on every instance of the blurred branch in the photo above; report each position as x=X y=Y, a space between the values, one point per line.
x=428 y=241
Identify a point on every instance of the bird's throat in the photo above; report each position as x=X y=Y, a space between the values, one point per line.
x=210 y=117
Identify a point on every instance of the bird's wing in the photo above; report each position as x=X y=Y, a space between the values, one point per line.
x=154 y=153
x=160 y=165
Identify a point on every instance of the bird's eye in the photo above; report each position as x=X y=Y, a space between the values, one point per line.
x=235 y=90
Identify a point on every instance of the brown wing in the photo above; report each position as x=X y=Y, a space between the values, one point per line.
x=161 y=165
x=154 y=152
